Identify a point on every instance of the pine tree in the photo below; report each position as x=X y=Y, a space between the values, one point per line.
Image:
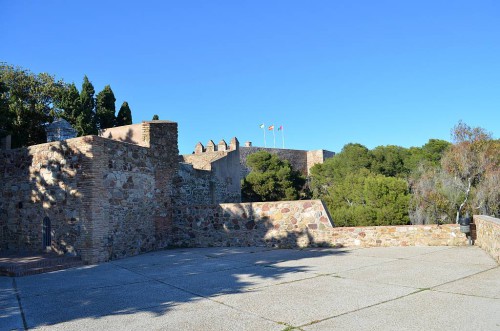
x=86 y=120
x=124 y=115
x=105 y=109
x=155 y=117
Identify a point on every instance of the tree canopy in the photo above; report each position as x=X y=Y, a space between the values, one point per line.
x=466 y=180
x=29 y=101
x=271 y=179
x=105 y=108
x=124 y=116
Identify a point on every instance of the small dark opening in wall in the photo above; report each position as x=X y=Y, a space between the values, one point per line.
x=20 y=205
x=46 y=234
x=211 y=187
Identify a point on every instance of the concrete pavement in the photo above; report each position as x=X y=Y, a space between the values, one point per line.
x=395 y=288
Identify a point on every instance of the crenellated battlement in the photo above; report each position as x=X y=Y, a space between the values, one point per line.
x=222 y=146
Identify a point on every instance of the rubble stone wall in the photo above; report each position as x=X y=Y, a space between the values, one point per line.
x=488 y=234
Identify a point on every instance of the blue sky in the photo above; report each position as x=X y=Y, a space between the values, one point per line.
x=331 y=72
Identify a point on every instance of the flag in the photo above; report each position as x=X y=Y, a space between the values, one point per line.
x=261 y=126
x=280 y=128
x=271 y=128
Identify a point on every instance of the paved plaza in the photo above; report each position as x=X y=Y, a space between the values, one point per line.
x=395 y=288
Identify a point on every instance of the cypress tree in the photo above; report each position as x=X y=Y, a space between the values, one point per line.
x=70 y=104
x=85 y=121
x=105 y=108
x=124 y=115
x=155 y=117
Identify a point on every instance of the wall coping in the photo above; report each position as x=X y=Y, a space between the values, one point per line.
x=488 y=219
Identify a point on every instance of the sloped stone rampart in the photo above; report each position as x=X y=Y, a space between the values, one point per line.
x=274 y=224
x=488 y=235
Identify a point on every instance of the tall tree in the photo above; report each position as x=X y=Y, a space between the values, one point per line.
x=86 y=120
x=70 y=105
x=465 y=181
x=124 y=116
x=271 y=179
x=155 y=117
x=105 y=108
x=31 y=100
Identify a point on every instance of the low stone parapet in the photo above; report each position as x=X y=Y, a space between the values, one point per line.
x=295 y=224
x=488 y=234
x=402 y=235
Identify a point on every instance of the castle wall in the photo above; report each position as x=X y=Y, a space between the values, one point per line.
x=273 y=224
x=126 y=133
x=105 y=199
x=317 y=157
x=210 y=176
x=51 y=180
x=202 y=187
x=289 y=224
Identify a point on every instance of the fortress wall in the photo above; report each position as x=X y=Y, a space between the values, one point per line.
x=105 y=199
x=488 y=234
x=211 y=175
x=54 y=181
x=289 y=224
x=273 y=224
x=123 y=200
x=201 y=187
x=317 y=157
x=126 y=133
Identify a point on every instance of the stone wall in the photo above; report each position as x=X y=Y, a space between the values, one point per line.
x=126 y=133
x=105 y=199
x=488 y=235
x=274 y=224
x=295 y=224
x=214 y=171
x=49 y=180
x=5 y=141
x=123 y=199
x=201 y=187
x=317 y=157
x=403 y=235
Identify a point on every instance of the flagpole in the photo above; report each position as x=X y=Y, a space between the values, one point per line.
x=263 y=127
x=274 y=138
x=283 y=136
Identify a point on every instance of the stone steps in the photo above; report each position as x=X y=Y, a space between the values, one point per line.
x=25 y=265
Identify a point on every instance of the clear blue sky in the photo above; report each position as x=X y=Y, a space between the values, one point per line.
x=331 y=72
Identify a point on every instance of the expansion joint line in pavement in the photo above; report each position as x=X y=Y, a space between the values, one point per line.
x=202 y=296
x=18 y=297
x=462 y=278
x=360 y=309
